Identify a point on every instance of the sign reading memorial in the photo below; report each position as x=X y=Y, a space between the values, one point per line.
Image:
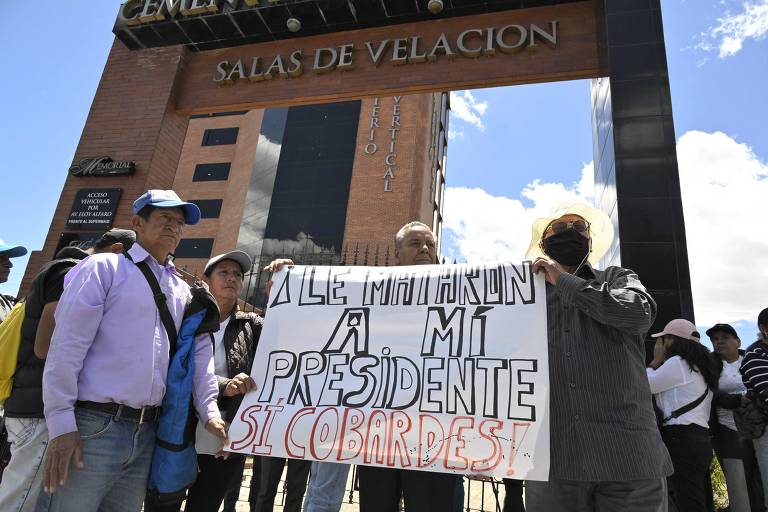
x=102 y=166
x=94 y=208
x=433 y=368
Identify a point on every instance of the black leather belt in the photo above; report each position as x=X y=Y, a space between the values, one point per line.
x=143 y=415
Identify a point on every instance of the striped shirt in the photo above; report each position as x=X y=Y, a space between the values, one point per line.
x=754 y=370
x=603 y=427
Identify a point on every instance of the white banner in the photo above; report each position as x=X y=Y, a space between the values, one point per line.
x=433 y=368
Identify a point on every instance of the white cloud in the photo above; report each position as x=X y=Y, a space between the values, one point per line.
x=484 y=227
x=733 y=29
x=455 y=134
x=465 y=107
x=724 y=187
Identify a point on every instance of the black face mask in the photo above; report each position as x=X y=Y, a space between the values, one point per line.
x=568 y=248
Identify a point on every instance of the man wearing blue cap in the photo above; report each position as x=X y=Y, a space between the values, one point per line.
x=105 y=376
x=6 y=253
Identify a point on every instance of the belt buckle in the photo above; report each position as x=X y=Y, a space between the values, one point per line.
x=141 y=416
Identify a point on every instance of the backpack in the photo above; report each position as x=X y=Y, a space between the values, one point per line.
x=10 y=341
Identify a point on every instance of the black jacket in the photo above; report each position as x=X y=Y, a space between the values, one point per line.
x=26 y=400
x=240 y=340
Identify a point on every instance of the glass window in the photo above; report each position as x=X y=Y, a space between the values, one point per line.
x=212 y=172
x=220 y=136
x=311 y=190
x=209 y=208
x=194 y=248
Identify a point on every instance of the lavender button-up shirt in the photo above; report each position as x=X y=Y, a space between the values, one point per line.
x=110 y=345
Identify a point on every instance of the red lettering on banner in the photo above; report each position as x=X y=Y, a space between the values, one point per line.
x=456 y=436
x=488 y=430
x=515 y=444
x=248 y=416
x=431 y=440
x=319 y=437
x=400 y=424
x=301 y=450
x=351 y=439
x=376 y=438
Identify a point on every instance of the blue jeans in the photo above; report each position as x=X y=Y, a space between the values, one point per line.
x=117 y=454
x=327 y=481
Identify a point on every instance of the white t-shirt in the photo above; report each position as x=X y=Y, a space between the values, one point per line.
x=730 y=383
x=219 y=352
x=675 y=385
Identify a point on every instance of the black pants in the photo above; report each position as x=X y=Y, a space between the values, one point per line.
x=296 y=479
x=513 y=498
x=690 y=448
x=380 y=490
x=214 y=479
x=233 y=494
x=213 y=482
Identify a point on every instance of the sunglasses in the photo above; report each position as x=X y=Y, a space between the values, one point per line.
x=581 y=226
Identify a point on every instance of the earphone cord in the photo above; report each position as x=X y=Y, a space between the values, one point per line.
x=575 y=272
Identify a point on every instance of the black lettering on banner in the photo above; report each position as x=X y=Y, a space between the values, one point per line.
x=520 y=284
x=519 y=387
x=403 y=288
x=330 y=394
x=310 y=363
x=490 y=369
x=446 y=328
x=467 y=290
x=407 y=383
x=354 y=325
x=283 y=295
x=432 y=385
x=461 y=387
x=310 y=296
x=377 y=284
x=334 y=286
x=477 y=331
x=494 y=285
x=360 y=368
x=446 y=286
x=281 y=365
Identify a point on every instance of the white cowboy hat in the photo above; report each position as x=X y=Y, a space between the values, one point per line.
x=600 y=230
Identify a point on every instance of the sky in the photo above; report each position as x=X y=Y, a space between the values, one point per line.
x=514 y=151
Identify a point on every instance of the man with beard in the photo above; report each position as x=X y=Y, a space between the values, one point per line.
x=606 y=450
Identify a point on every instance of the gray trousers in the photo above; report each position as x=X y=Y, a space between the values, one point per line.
x=572 y=496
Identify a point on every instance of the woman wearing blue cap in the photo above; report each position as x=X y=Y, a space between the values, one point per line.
x=6 y=253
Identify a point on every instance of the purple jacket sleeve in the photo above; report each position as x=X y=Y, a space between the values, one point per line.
x=205 y=385
x=78 y=316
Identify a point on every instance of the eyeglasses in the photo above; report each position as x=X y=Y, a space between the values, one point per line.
x=581 y=226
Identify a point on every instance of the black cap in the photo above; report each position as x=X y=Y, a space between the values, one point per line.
x=115 y=236
x=722 y=328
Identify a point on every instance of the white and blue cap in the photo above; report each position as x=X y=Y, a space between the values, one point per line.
x=168 y=199
x=12 y=251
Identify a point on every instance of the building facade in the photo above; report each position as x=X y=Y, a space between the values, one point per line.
x=320 y=124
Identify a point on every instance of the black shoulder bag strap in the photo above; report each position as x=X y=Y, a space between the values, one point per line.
x=160 y=302
x=686 y=408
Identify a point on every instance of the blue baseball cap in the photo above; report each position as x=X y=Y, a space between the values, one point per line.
x=168 y=199
x=12 y=251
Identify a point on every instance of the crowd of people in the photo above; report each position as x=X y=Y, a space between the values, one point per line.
x=110 y=350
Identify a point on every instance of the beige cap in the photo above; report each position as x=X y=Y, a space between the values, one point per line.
x=681 y=328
